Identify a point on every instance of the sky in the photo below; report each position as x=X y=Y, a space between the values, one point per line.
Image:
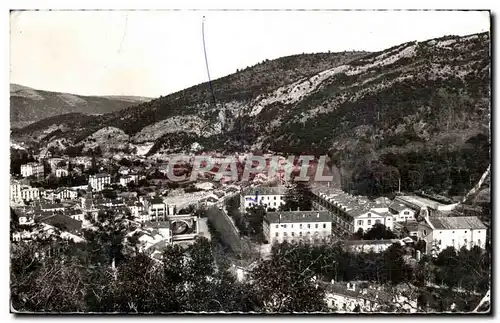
x=154 y=53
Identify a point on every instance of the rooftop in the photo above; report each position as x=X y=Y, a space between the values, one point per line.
x=261 y=190
x=100 y=175
x=419 y=201
x=459 y=222
x=298 y=216
x=62 y=222
x=157 y=225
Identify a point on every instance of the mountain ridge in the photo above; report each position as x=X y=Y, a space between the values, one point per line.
x=28 y=105
x=429 y=98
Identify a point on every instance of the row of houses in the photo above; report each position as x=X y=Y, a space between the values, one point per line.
x=338 y=214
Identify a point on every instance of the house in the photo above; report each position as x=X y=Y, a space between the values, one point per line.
x=367 y=219
x=52 y=207
x=55 y=162
x=67 y=227
x=162 y=228
x=308 y=226
x=65 y=193
x=123 y=170
x=269 y=197
x=440 y=233
x=348 y=297
x=136 y=208
x=61 y=172
x=402 y=212
x=99 y=181
x=29 y=193
x=76 y=214
x=124 y=180
x=407 y=207
x=15 y=191
x=156 y=209
x=32 y=169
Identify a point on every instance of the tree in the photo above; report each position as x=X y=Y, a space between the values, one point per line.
x=379 y=231
x=298 y=197
x=284 y=283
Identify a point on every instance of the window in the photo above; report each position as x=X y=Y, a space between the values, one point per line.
x=292 y=226
x=308 y=226
x=369 y=215
x=277 y=226
x=479 y=242
x=284 y=226
x=465 y=231
x=277 y=234
x=369 y=222
x=300 y=233
x=360 y=222
x=274 y=203
x=275 y=197
x=316 y=226
x=300 y=226
x=453 y=242
x=465 y=242
x=324 y=225
x=425 y=232
x=453 y=232
x=285 y=234
x=406 y=212
x=439 y=242
x=293 y=234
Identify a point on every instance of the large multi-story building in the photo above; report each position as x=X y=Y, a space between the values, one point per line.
x=269 y=197
x=32 y=169
x=155 y=209
x=30 y=193
x=99 y=181
x=440 y=233
x=15 y=191
x=351 y=213
x=308 y=226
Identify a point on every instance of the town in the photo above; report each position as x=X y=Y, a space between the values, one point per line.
x=63 y=196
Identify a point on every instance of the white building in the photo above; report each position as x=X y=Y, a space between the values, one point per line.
x=65 y=194
x=32 y=169
x=347 y=297
x=402 y=212
x=99 y=181
x=269 y=197
x=15 y=191
x=308 y=226
x=61 y=172
x=366 y=220
x=155 y=209
x=124 y=180
x=30 y=193
x=440 y=233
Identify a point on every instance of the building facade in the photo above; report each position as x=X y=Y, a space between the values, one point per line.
x=99 y=181
x=307 y=226
x=32 y=169
x=440 y=233
x=269 y=197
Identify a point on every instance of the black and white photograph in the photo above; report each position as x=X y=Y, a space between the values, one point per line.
x=247 y=162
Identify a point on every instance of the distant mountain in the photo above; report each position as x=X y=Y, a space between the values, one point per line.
x=29 y=105
x=418 y=112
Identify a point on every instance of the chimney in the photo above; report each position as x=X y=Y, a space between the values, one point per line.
x=333 y=282
x=298 y=208
x=317 y=216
